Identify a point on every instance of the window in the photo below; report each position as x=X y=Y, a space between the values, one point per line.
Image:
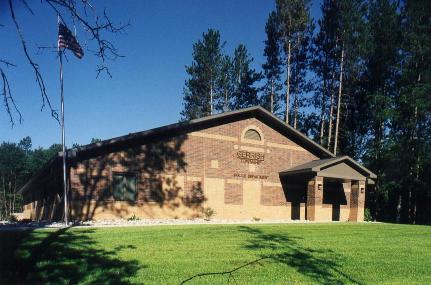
x=251 y=134
x=124 y=186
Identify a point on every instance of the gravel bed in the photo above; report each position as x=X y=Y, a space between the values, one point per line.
x=5 y=225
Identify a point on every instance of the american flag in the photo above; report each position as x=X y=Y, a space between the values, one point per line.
x=67 y=40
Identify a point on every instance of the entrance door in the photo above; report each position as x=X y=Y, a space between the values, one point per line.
x=335 y=212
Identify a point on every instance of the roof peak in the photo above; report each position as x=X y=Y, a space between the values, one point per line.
x=254 y=111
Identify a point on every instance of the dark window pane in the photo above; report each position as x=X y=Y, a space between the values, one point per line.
x=130 y=188
x=117 y=186
x=252 y=135
x=124 y=187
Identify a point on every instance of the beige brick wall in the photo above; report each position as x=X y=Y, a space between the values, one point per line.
x=192 y=172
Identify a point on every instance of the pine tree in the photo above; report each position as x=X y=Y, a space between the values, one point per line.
x=380 y=77
x=200 y=92
x=245 y=92
x=225 y=85
x=324 y=65
x=294 y=17
x=411 y=123
x=300 y=66
x=271 y=96
x=350 y=35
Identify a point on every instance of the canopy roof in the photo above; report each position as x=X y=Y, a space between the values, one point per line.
x=343 y=167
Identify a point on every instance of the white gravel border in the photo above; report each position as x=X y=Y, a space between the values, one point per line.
x=5 y=225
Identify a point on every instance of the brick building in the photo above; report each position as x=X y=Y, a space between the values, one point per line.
x=242 y=164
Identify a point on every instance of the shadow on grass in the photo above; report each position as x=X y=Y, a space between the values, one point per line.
x=320 y=266
x=61 y=257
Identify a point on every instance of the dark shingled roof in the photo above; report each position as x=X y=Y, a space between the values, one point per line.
x=318 y=165
x=218 y=119
x=193 y=125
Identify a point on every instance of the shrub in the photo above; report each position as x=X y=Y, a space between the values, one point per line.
x=208 y=213
x=133 y=218
x=256 y=219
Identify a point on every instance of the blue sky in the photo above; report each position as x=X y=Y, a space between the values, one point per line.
x=146 y=88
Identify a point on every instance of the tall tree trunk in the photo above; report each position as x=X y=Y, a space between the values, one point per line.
x=289 y=53
x=211 y=93
x=14 y=195
x=331 y=108
x=4 y=197
x=225 y=109
x=295 y=106
x=417 y=156
x=272 y=95
x=295 y=114
x=416 y=169
x=296 y=99
x=408 y=216
x=322 y=113
x=9 y=197
x=331 y=115
x=211 y=99
x=399 y=203
x=340 y=92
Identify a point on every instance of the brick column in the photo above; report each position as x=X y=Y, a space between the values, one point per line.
x=314 y=198
x=357 y=201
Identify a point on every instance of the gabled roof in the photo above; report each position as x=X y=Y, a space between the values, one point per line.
x=218 y=119
x=317 y=166
x=194 y=125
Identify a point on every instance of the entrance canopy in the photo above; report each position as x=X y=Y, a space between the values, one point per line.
x=342 y=167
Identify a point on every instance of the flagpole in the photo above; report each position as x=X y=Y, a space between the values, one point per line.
x=63 y=139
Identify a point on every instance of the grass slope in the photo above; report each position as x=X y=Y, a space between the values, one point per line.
x=257 y=254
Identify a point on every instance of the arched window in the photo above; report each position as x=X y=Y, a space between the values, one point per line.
x=252 y=134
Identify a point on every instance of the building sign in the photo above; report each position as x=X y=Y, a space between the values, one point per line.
x=250 y=157
x=250 y=176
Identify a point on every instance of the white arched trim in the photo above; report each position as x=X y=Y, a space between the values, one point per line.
x=258 y=130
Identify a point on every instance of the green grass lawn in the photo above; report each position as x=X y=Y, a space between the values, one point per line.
x=257 y=254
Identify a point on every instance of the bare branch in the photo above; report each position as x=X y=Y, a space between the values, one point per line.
x=229 y=273
x=41 y=49
x=8 y=99
x=87 y=4
x=106 y=50
x=103 y=68
x=35 y=66
x=82 y=14
x=7 y=63
x=27 y=6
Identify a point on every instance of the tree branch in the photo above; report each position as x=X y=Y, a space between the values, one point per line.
x=229 y=273
x=106 y=50
x=78 y=11
x=35 y=66
x=8 y=100
x=7 y=63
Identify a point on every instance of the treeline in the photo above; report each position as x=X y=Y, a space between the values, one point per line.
x=18 y=163
x=357 y=81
